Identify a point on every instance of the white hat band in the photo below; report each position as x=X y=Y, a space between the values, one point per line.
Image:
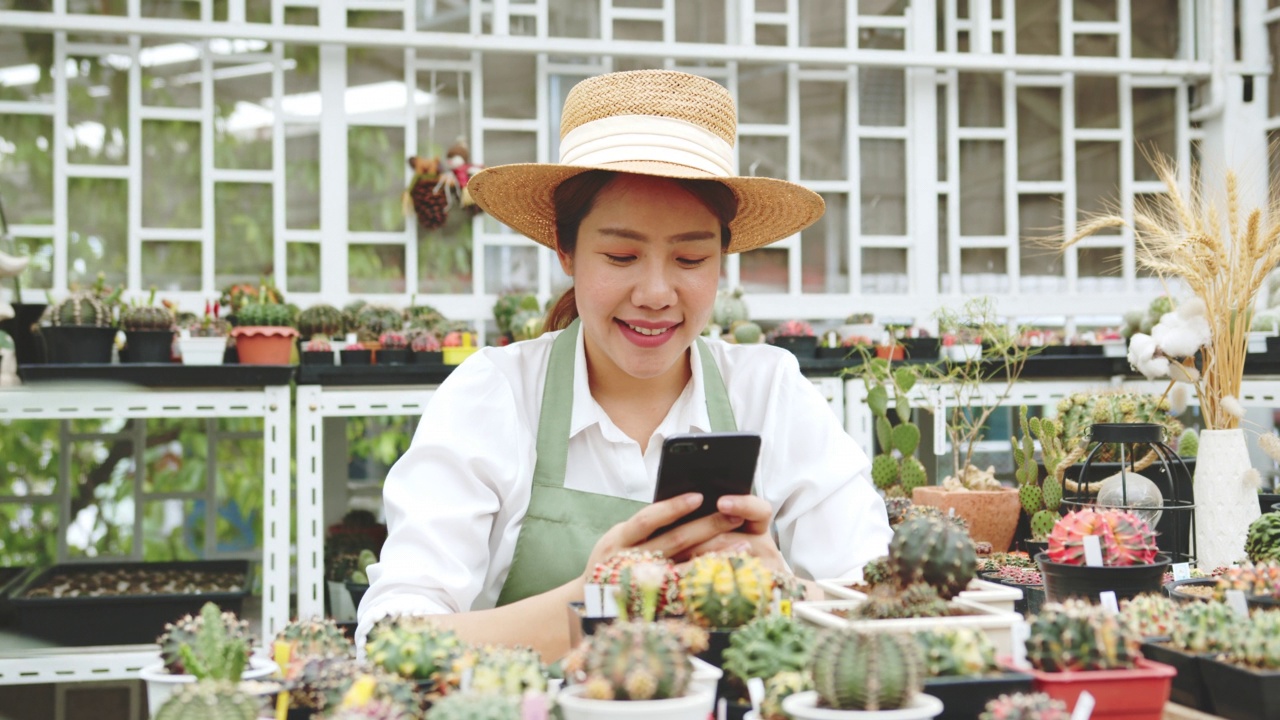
x=622 y=138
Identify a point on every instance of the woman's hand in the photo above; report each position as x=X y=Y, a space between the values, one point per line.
x=754 y=516
x=634 y=532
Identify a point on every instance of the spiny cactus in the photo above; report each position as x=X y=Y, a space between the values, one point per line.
x=1075 y=635
x=374 y=320
x=1124 y=537
x=937 y=514
x=957 y=651
x=854 y=670
x=322 y=319
x=1040 y=498
x=393 y=341
x=1149 y=615
x=82 y=309
x=475 y=705
x=1204 y=627
x=1257 y=643
x=414 y=647
x=317 y=344
x=934 y=551
x=1188 y=443
x=767 y=646
x=1019 y=706
x=425 y=342
x=917 y=600
x=1257 y=579
x=632 y=661
x=211 y=636
x=726 y=590
x=141 y=318
x=646 y=596
x=424 y=317
x=1263 y=541
x=876 y=572
x=315 y=637
x=729 y=308
x=1080 y=411
x=779 y=688
x=508 y=670
x=208 y=700
x=264 y=315
x=319 y=684
x=897 y=508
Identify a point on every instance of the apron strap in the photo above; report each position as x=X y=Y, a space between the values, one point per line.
x=557 y=410
x=719 y=411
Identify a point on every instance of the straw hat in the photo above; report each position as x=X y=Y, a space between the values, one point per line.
x=649 y=122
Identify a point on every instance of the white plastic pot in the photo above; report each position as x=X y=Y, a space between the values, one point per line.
x=804 y=706
x=161 y=684
x=962 y=352
x=202 y=350
x=697 y=705
x=705 y=675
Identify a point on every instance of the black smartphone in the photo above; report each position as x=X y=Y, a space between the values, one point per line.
x=714 y=464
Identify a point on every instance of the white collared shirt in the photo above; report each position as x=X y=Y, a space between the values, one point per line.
x=456 y=499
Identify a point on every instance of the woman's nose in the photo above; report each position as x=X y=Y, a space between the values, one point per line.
x=654 y=288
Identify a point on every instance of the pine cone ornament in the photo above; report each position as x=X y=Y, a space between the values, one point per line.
x=429 y=204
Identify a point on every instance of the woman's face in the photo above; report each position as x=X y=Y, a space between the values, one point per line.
x=645 y=272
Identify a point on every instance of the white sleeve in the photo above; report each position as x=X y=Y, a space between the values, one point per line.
x=829 y=518
x=443 y=497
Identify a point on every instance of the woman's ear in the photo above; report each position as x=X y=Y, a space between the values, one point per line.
x=566 y=262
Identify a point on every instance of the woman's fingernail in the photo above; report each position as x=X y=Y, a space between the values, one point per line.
x=693 y=499
x=726 y=505
x=733 y=519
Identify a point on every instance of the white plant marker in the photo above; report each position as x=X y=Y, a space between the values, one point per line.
x=1181 y=571
x=1108 y=600
x=1092 y=551
x=1084 y=706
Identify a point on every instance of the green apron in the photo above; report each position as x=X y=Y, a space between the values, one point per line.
x=561 y=525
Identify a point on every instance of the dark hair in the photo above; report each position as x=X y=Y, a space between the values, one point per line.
x=575 y=197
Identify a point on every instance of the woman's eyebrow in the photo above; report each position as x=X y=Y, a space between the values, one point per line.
x=628 y=234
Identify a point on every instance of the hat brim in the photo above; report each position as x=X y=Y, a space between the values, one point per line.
x=521 y=196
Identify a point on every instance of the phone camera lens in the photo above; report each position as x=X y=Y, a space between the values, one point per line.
x=683 y=448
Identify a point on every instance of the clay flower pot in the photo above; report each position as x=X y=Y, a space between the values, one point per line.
x=992 y=514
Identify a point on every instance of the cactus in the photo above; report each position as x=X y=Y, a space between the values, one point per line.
x=315 y=637
x=1149 y=615
x=895 y=463
x=320 y=683
x=934 y=551
x=425 y=342
x=147 y=317
x=528 y=324
x=779 y=688
x=1080 y=411
x=1019 y=706
x=792 y=328
x=475 y=705
x=371 y=710
x=1257 y=643
x=885 y=471
x=1204 y=627
x=632 y=661
x=1075 y=635
x=853 y=670
x=1040 y=499
x=1188 y=443
x=897 y=507
x=508 y=305
x=917 y=600
x=393 y=341
x=322 y=319
x=210 y=631
x=415 y=648
x=508 y=670
x=654 y=599
x=1256 y=579
x=725 y=590
x=374 y=320
x=424 y=317
x=767 y=646
x=81 y=309
x=1125 y=538
x=317 y=344
x=264 y=315
x=209 y=701
x=1263 y=540
x=729 y=308
x=957 y=652
x=876 y=571
x=746 y=332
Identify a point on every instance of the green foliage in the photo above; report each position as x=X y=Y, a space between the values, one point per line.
x=767 y=646
x=1263 y=540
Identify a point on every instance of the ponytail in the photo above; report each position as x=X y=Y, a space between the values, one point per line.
x=564 y=312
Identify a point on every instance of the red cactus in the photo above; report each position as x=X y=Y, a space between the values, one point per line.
x=1124 y=538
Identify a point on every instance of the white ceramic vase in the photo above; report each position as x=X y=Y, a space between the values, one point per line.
x=696 y=705
x=1225 y=503
x=804 y=706
x=161 y=684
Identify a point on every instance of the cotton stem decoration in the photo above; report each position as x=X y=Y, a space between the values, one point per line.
x=1177 y=235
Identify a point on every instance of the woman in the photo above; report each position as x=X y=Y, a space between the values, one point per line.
x=536 y=461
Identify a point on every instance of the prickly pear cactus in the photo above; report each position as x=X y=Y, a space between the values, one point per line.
x=885 y=471
x=1075 y=635
x=726 y=590
x=767 y=646
x=854 y=670
x=935 y=551
x=209 y=700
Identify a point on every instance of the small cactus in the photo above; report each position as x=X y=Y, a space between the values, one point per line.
x=1019 y=706
x=425 y=342
x=264 y=315
x=1256 y=579
x=726 y=590
x=415 y=648
x=1075 y=635
x=1257 y=643
x=632 y=661
x=779 y=688
x=767 y=646
x=854 y=670
x=393 y=341
x=317 y=344
x=322 y=319
x=647 y=595
x=1188 y=443
x=746 y=332
x=793 y=328
x=141 y=318
x=511 y=671
x=315 y=637
x=206 y=643
x=1204 y=627
x=209 y=700
x=886 y=602
x=1263 y=540
x=957 y=652
x=934 y=551
x=1149 y=615
x=374 y=320
x=475 y=705
x=1125 y=538
x=82 y=309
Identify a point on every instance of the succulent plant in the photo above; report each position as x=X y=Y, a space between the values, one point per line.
x=475 y=705
x=508 y=305
x=917 y=600
x=792 y=328
x=746 y=332
x=1040 y=499
x=424 y=317
x=1149 y=615
x=854 y=670
x=317 y=344
x=371 y=710
x=209 y=700
x=315 y=637
x=1079 y=412
x=322 y=683
x=414 y=647
x=957 y=652
x=1124 y=537
x=1075 y=635
x=528 y=324
x=264 y=315
x=459 y=338
x=1015 y=575
x=1257 y=642
x=767 y=646
x=1189 y=443
x=508 y=670
x=1020 y=706
x=393 y=341
x=1204 y=627
x=425 y=342
x=1263 y=541
x=210 y=634
x=357 y=345
x=895 y=468
x=937 y=514
x=726 y=590
x=81 y=309
x=1256 y=579
x=876 y=572
x=146 y=317
x=632 y=661
x=648 y=596
x=322 y=319
x=729 y=308
x=779 y=688
x=897 y=508
x=374 y=320
x=934 y=551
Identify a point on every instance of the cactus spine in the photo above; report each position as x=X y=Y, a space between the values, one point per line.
x=726 y=590
x=767 y=646
x=853 y=670
x=935 y=551
x=633 y=661
x=208 y=701
x=1078 y=636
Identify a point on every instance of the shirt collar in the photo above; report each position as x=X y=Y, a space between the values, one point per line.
x=689 y=414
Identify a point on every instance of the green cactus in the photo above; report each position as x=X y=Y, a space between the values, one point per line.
x=1263 y=540
x=1075 y=635
x=419 y=317
x=82 y=309
x=885 y=471
x=913 y=474
x=321 y=319
x=1020 y=706
x=416 y=648
x=894 y=468
x=208 y=638
x=1049 y=433
x=141 y=318
x=1080 y=411
x=264 y=315
x=853 y=670
x=1149 y=615
x=729 y=308
x=876 y=572
x=767 y=646
x=633 y=661
x=1204 y=627
x=509 y=305
x=933 y=550
x=209 y=701
x=373 y=320
x=1024 y=459
x=1042 y=523
x=508 y=670
x=475 y=705
x=746 y=332
x=1257 y=644
x=726 y=590
x=321 y=683
x=1188 y=443
x=957 y=652
x=887 y=602
x=779 y=688
x=527 y=325
x=315 y=637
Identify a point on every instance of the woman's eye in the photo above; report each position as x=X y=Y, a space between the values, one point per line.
x=620 y=259
x=691 y=262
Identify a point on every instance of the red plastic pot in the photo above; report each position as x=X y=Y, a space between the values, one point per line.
x=262 y=345
x=1136 y=694
x=891 y=352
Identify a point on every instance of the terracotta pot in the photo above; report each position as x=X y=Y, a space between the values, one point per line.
x=992 y=514
x=261 y=345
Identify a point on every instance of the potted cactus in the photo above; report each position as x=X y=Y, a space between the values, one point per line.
x=213 y=645
x=1260 y=583
x=1040 y=498
x=458 y=345
x=148 y=332
x=476 y=705
x=510 y=305
x=323 y=683
x=317 y=351
x=1243 y=681
x=1025 y=706
x=723 y=592
x=1198 y=630
x=323 y=320
x=209 y=700
x=796 y=336
x=1131 y=564
x=374 y=320
x=204 y=341
x=642 y=664
x=1075 y=646
x=961 y=671
x=864 y=675
x=765 y=648
x=82 y=328
x=895 y=469
x=264 y=334
x=356 y=353
x=418 y=650
x=315 y=637
x=426 y=349
x=395 y=349
x=1262 y=543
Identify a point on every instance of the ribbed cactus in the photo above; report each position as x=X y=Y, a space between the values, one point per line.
x=934 y=551
x=423 y=317
x=853 y=670
x=1019 y=706
x=956 y=651
x=210 y=638
x=82 y=309
x=1149 y=615
x=1204 y=627
x=322 y=319
x=475 y=705
x=208 y=700
x=1189 y=443
x=414 y=647
x=1263 y=541
x=508 y=670
x=767 y=646
x=779 y=688
x=374 y=320
x=147 y=317
x=726 y=590
x=1257 y=643
x=917 y=600
x=315 y=637
x=632 y=661
x=264 y=315
x=1075 y=635
x=1125 y=538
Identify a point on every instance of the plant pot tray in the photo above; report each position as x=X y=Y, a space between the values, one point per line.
x=373 y=374
x=997 y=624
x=1240 y=693
x=121 y=619
x=964 y=698
x=161 y=375
x=1136 y=694
x=1188 y=687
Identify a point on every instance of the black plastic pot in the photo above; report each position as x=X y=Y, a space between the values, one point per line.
x=1239 y=693
x=317 y=357
x=27 y=344
x=921 y=348
x=356 y=357
x=1273 y=345
x=1032 y=598
x=1267 y=502
x=964 y=698
x=148 y=346
x=714 y=654
x=589 y=624
x=357 y=591
x=393 y=357
x=833 y=353
x=804 y=346
x=78 y=344
x=428 y=358
x=1188 y=685
x=1035 y=547
x=1174 y=589
x=1063 y=581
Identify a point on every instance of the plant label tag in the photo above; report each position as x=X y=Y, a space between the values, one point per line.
x=464 y=684
x=951 y=512
x=610 y=601
x=1092 y=551
x=1182 y=571
x=1236 y=601
x=1108 y=600
x=592 y=600
x=1084 y=706
x=1020 y=632
x=755 y=689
